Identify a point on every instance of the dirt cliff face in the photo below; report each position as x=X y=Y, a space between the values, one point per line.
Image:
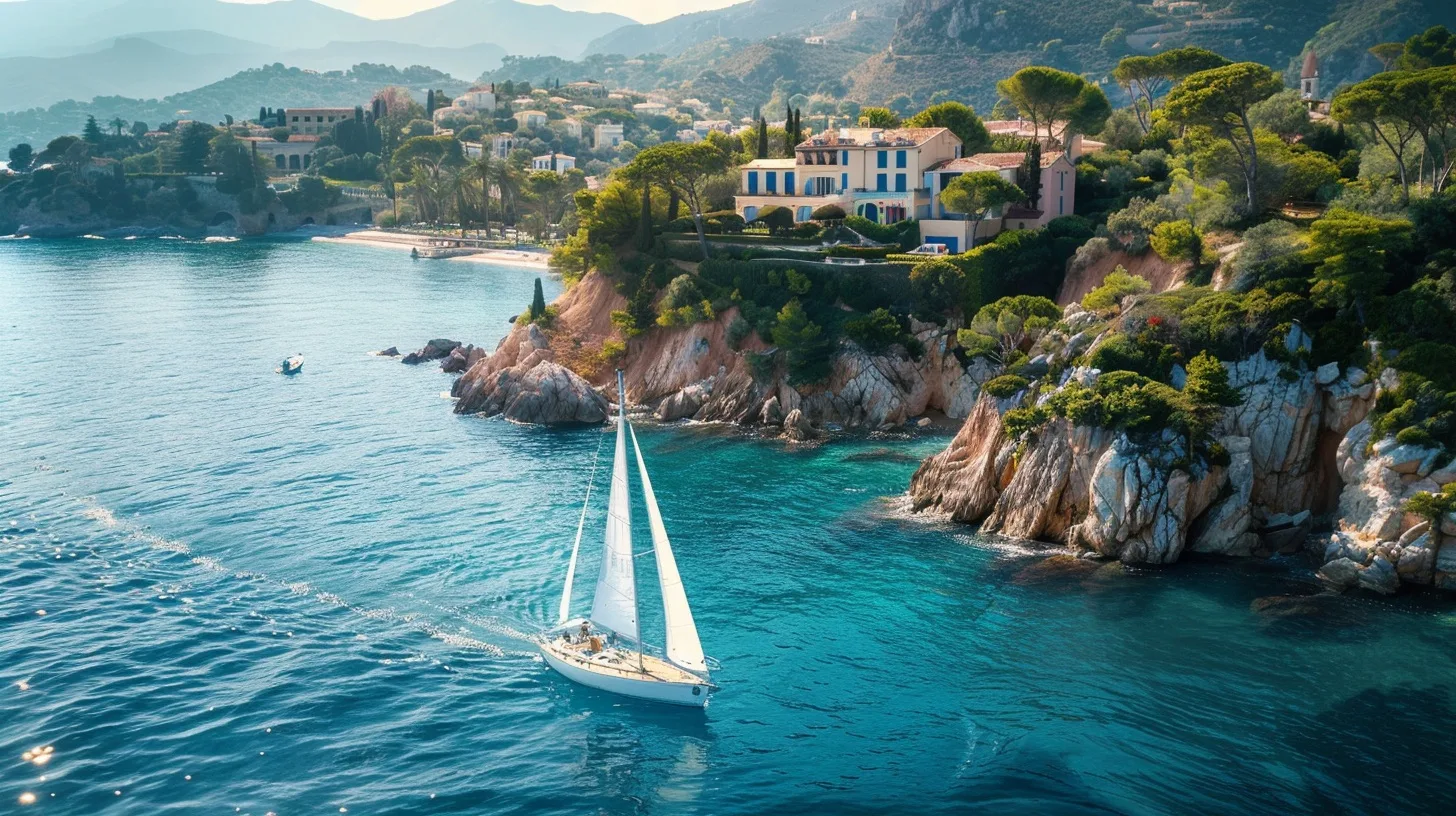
x=691 y=372
x=1138 y=499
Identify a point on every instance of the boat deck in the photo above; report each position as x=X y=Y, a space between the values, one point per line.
x=621 y=663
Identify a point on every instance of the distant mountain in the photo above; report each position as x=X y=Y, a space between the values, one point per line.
x=239 y=95
x=34 y=27
x=140 y=67
x=754 y=20
x=134 y=67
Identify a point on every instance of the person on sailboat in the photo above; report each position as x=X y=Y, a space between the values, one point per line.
x=585 y=630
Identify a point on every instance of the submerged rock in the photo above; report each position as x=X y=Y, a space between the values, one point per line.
x=392 y=351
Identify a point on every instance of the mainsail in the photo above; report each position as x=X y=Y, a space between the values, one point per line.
x=615 y=603
x=683 y=646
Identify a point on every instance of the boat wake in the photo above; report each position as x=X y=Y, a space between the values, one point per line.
x=457 y=637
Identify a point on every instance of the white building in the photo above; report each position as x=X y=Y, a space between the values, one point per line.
x=571 y=127
x=531 y=118
x=475 y=100
x=555 y=162
x=316 y=121
x=607 y=135
x=649 y=108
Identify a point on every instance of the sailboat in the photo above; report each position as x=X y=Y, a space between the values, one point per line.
x=605 y=650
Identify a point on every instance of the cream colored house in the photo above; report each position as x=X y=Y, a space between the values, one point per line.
x=557 y=163
x=316 y=121
x=959 y=233
x=607 y=134
x=531 y=118
x=876 y=173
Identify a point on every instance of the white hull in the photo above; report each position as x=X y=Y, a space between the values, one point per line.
x=642 y=687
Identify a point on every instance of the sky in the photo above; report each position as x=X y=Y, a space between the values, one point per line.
x=646 y=11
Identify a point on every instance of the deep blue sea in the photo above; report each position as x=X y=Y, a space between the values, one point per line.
x=227 y=591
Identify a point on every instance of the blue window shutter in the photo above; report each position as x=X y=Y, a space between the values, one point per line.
x=899 y=182
x=844 y=157
x=771 y=182
x=899 y=158
x=753 y=183
x=882 y=182
x=789 y=184
x=882 y=158
x=843 y=182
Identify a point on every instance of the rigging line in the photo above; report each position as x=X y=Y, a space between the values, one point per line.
x=580 y=525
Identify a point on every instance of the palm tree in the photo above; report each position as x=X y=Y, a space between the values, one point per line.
x=459 y=189
x=508 y=182
x=482 y=170
x=118 y=124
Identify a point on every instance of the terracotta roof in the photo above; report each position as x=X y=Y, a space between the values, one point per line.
x=1311 y=67
x=860 y=137
x=1005 y=160
x=962 y=165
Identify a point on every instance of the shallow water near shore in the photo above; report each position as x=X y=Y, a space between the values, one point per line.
x=300 y=595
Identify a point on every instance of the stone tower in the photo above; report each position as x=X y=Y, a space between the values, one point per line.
x=1309 y=79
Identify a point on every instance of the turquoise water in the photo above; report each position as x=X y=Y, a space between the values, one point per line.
x=299 y=595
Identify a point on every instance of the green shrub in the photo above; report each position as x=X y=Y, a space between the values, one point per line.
x=737 y=332
x=1006 y=385
x=828 y=212
x=1018 y=421
x=1433 y=505
x=875 y=331
x=849 y=251
x=1142 y=355
x=1415 y=435
x=1115 y=287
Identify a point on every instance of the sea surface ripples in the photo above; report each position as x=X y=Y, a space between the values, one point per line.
x=223 y=590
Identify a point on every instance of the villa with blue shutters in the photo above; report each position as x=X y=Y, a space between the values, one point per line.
x=890 y=174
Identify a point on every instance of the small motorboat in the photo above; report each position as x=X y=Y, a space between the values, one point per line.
x=292 y=365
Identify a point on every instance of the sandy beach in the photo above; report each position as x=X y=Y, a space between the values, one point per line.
x=395 y=240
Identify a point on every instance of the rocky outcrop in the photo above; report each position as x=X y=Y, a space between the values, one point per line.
x=461 y=358
x=522 y=382
x=692 y=372
x=1377 y=545
x=1147 y=499
x=434 y=350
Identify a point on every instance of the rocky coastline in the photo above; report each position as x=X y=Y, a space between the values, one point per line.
x=1300 y=473
x=557 y=374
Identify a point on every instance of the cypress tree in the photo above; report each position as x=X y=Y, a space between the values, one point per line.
x=644 y=226
x=538 y=302
x=788 y=132
x=430 y=103
x=762 y=138
x=1029 y=175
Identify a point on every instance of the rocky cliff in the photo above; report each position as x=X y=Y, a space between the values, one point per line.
x=692 y=372
x=1296 y=454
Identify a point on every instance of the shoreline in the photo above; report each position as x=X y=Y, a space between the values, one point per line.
x=394 y=240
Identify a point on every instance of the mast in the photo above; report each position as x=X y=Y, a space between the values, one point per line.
x=622 y=423
x=614 y=606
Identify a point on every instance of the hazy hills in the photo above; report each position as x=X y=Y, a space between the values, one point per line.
x=34 y=27
x=158 y=64
x=754 y=20
x=239 y=95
